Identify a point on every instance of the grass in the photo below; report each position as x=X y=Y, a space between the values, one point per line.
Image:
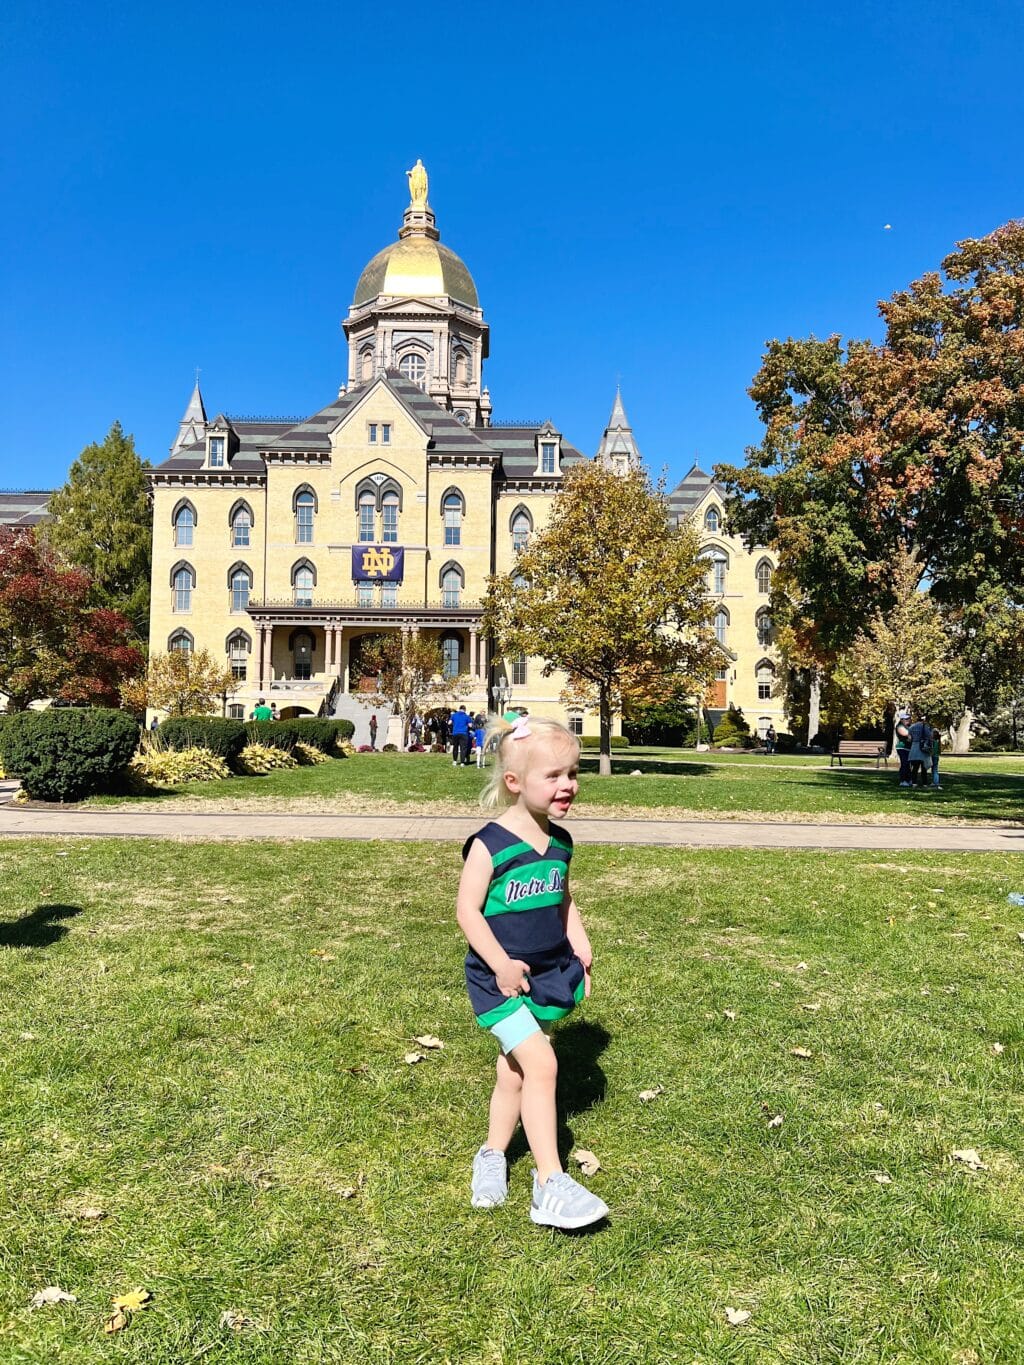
x=175 y=1053
x=739 y=787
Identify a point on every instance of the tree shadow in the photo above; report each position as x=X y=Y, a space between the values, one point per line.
x=39 y=928
x=623 y=766
x=989 y=796
x=581 y=1082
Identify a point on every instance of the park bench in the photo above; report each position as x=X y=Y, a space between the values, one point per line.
x=859 y=748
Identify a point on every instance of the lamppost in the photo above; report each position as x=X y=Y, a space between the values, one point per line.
x=501 y=694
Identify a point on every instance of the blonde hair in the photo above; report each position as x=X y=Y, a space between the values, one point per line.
x=514 y=755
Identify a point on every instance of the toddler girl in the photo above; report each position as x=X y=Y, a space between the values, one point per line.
x=529 y=957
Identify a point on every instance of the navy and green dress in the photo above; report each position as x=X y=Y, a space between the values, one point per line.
x=523 y=909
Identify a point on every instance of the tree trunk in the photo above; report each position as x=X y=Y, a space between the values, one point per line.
x=604 y=766
x=814 y=706
x=961 y=733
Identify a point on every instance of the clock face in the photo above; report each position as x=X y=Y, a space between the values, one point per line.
x=463 y=417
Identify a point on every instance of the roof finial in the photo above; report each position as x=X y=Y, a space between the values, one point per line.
x=418 y=185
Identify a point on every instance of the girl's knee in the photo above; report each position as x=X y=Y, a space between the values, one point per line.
x=539 y=1062
x=510 y=1078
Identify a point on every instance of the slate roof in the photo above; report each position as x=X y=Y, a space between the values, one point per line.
x=689 y=491
x=23 y=508
x=515 y=446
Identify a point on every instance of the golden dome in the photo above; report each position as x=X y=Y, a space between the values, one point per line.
x=416 y=266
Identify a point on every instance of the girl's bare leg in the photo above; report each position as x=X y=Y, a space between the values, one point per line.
x=505 y=1103
x=539 y=1067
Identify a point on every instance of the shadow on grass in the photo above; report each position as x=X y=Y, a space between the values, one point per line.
x=988 y=796
x=39 y=928
x=666 y=767
x=581 y=1082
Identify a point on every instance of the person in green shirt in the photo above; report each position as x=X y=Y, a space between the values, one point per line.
x=261 y=711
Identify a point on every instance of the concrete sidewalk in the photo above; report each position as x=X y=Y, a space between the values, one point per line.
x=22 y=821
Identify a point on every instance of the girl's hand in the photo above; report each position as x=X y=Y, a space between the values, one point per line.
x=586 y=981
x=513 y=978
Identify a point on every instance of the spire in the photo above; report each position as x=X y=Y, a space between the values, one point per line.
x=418 y=220
x=192 y=426
x=618 y=450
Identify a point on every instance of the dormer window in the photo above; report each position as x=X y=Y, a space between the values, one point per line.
x=713 y=520
x=547 y=457
x=217 y=452
x=413 y=367
x=549 y=452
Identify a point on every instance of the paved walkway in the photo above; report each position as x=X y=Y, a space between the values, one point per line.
x=28 y=821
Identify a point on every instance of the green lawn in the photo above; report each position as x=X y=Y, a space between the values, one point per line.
x=175 y=1053
x=759 y=786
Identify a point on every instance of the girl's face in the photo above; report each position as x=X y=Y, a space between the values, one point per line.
x=549 y=779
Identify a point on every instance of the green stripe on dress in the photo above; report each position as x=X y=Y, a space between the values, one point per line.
x=504 y=855
x=545 y=1013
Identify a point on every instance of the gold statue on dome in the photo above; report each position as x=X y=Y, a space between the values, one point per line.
x=418 y=185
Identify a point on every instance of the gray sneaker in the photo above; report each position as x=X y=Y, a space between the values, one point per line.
x=490 y=1179
x=562 y=1202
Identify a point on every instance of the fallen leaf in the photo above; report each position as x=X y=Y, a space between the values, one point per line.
x=102 y=969
x=1020 y=938
x=428 y=1040
x=647 y=1095
x=586 y=1161
x=729 y=1014
x=970 y=1158
x=27 y=1037
x=239 y=1322
x=810 y=1008
x=323 y=955
x=801 y=966
x=881 y=1177
x=117 y=1322
x=52 y=1294
x=347 y=1192
x=998 y=1048
x=135 y=1301
x=359 y=1070
x=737 y=1316
x=91 y=1215
x=775 y=1121
x=412 y=1058
x=800 y=1052
x=248 y=966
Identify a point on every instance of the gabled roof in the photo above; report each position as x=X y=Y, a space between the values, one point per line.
x=691 y=489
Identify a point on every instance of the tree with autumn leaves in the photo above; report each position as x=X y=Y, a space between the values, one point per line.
x=53 y=642
x=612 y=593
x=410 y=677
x=911 y=446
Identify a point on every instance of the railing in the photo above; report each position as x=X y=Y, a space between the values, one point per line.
x=353 y=604
x=517 y=422
x=327 y=705
x=249 y=417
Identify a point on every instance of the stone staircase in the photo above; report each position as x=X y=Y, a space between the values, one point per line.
x=346 y=707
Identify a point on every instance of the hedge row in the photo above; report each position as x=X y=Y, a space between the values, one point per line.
x=229 y=737
x=594 y=741
x=64 y=754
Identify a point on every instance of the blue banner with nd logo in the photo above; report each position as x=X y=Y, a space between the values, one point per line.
x=378 y=563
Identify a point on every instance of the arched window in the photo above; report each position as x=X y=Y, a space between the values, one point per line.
x=451 y=652
x=519 y=582
x=304 y=504
x=303 y=645
x=520 y=524
x=764 y=576
x=765 y=628
x=240 y=583
x=367 y=511
x=389 y=519
x=719 y=562
x=453 y=580
x=184 y=521
x=303 y=583
x=721 y=625
x=181 y=642
x=241 y=525
x=765 y=674
x=414 y=367
x=453 y=507
x=366 y=363
x=239 y=646
x=713 y=520
x=183 y=580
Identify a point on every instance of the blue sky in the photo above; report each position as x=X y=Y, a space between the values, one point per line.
x=649 y=191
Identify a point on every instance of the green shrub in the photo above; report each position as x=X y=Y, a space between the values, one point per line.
x=66 y=753
x=389 y=749
x=344 y=729
x=594 y=741
x=733 y=730
x=257 y=759
x=155 y=767
x=220 y=736
x=307 y=755
x=277 y=734
x=319 y=731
